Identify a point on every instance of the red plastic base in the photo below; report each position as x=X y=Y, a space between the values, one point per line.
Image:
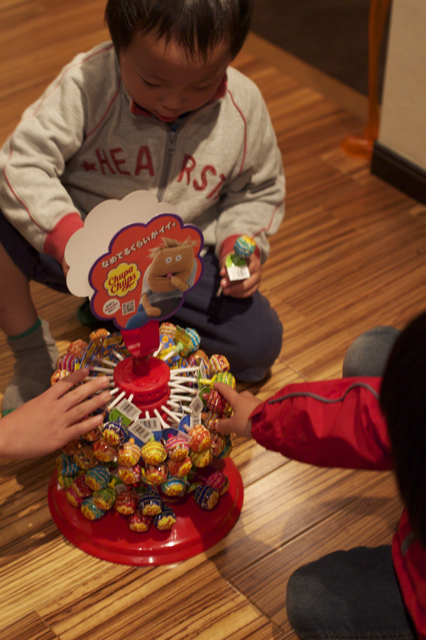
x=110 y=538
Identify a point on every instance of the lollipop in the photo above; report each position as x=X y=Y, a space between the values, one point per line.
x=90 y=510
x=200 y=438
x=103 y=451
x=179 y=468
x=126 y=502
x=139 y=523
x=113 y=433
x=244 y=246
x=218 y=481
x=217 y=444
x=97 y=478
x=84 y=458
x=173 y=486
x=218 y=363
x=66 y=465
x=201 y=459
x=206 y=497
x=156 y=474
x=105 y=498
x=131 y=475
x=165 y=520
x=153 y=453
x=177 y=448
x=129 y=454
x=150 y=504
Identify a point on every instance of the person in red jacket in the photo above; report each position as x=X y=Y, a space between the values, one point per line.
x=361 y=423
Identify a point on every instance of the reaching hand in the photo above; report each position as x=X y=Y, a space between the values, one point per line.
x=55 y=417
x=241 y=288
x=243 y=405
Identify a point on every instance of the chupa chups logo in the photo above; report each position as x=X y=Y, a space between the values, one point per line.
x=146 y=272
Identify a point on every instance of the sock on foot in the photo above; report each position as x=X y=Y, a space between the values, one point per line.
x=36 y=355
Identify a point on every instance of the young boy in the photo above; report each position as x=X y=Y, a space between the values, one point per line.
x=365 y=592
x=157 y=109
x=55 y=417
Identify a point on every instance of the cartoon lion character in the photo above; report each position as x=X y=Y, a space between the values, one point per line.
x=171 y=273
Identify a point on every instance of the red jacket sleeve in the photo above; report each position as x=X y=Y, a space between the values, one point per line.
x=336 y=423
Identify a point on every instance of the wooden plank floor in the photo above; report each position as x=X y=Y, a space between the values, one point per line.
x=349 y=256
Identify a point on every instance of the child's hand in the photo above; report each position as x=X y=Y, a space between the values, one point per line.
x=55 y=417
x=241 y=288
x=243 y=405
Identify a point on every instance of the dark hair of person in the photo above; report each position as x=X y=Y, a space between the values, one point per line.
x=196 y=25
x=403 y=402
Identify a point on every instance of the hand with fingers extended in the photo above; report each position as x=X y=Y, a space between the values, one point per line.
x=55 y=417
x=243 y=405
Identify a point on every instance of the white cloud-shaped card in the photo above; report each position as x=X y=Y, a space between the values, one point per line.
x=135 y=259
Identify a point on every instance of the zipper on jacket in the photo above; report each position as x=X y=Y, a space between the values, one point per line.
x=170 y=151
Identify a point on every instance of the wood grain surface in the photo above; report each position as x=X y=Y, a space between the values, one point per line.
x=350 y=255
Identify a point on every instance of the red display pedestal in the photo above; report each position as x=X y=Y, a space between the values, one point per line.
x=110 y=538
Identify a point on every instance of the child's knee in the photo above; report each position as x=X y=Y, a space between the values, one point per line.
x=257 y=350
x=368 y=354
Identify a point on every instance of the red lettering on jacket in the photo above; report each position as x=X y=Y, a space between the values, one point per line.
x=118 y=161
x=103 y=160
x=203 y=185
x=217 y=187
x=144 y=161
x=188 y=165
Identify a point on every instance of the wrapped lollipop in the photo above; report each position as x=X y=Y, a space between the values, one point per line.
x=78 y=348
x=165 y=520
x=68 y=362
x=217 y=444
x=177 y=448
x=236 y=264
x=139 y=523
x=72 y=447
x=153 y=453
x=114 y=433
x=131 y=475
x=156 y=474
x=150 y=503
x=199 y=438
x=173 y=487
x=129 y=454
x=58 y=375
x=167 y=329
x=93 y=436
x=97 y=478
x=126 y=502
x=200 y=359
x=216 y=403
x=179 y=468
x=105 y=498
x=202 y=458
x=90 y=510
x=218 y=481
x=206 y=497
x=218 y=363
x=104 y=451
x=79 y=490
x=66 y=465
x=84 y=458
x=66 y=481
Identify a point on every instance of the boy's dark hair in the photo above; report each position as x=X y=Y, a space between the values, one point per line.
x=197 y=25
x=403 y=401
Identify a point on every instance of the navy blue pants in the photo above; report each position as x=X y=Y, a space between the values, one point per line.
x=248 y=332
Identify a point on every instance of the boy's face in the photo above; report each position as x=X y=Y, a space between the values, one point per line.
x=161 y=79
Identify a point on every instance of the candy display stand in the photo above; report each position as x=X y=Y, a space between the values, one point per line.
x=111 y=539
x=145 y=382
